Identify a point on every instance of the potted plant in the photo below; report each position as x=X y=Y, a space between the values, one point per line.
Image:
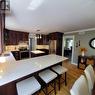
x=83 y=50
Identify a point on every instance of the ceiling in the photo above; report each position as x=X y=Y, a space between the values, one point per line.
x=51 y=15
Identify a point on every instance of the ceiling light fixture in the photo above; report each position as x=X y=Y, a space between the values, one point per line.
x=40 y=36
x=34 y=4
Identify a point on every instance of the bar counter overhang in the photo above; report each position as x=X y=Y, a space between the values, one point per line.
x=11 y=73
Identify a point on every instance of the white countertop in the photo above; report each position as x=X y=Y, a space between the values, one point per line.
x=37 y=51
x=12 y=71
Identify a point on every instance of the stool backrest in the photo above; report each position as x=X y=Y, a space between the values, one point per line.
x=80 y=87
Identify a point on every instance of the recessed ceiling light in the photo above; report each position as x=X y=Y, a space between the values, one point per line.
x=34 y=4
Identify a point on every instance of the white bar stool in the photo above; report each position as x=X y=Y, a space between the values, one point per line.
x=48 y=77
x=28 y=86
x=60 y=70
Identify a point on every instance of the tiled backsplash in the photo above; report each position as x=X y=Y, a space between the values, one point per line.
x=14 y=47
x=42 y=46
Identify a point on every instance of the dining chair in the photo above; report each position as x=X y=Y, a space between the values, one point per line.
x=89 y=72
x=80 y=87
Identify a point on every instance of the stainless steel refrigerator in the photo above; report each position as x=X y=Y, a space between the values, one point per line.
x=52 y=46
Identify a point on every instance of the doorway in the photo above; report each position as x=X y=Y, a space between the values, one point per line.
x=68 y=47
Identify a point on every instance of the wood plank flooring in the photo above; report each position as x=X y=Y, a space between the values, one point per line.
x=72 y=75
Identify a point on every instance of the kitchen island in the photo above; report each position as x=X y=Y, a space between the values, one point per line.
x=26 y=54
x=11 y=73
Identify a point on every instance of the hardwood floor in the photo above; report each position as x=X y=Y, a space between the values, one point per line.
x=72 y=74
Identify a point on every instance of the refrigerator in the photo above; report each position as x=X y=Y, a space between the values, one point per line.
x=52 y=46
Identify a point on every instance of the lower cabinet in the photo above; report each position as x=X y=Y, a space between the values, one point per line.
x=19 y=55
x=24 y=54
x=16 y=54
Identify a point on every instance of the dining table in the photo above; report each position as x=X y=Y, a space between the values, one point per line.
x=14 y=71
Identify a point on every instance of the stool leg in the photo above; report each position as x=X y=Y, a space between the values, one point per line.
x=46 y=92
x=65 y=78
x=59 y=82
x=55 y=87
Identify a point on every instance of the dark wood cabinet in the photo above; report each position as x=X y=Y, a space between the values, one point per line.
x=20 y=54
x=44 y=40
x=55 y=36
x=25 y=36
x=24 y=54
x=14 y=37
x=58 y=37
x=2 y=23
x=85 y=60
x=16 y=54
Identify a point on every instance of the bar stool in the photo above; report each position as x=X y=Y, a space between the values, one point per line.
x=60 y=70
x=28 y=86
x=48 y=77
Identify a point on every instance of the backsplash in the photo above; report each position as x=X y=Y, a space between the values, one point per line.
x=17 y=47
x=14 y=47
x=42 y=46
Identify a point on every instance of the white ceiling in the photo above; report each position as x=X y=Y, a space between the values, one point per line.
x=51 y=15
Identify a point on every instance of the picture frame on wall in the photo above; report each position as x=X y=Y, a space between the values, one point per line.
x=7 y=5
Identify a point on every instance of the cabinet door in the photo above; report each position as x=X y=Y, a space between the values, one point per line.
x=58 y=37
x=12 y=38
x=59 y=46
x=39 y=39
x=45 y=39
x=0 y=35
x=19 y=37
x=6 y=37
x=25 y=36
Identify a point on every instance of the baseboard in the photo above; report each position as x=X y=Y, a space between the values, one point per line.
x=74 y=63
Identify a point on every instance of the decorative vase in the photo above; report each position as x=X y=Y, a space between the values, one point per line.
x=82 y=53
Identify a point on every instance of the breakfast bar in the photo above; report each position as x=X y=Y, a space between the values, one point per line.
x=11 y=73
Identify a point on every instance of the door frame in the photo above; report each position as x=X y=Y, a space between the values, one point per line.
x=69 y=36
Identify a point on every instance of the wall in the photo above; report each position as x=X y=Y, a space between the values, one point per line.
x=84 y=42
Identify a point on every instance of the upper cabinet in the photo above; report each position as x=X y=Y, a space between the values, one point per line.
x=14 y=37
x=42 y=39
x=57 y=36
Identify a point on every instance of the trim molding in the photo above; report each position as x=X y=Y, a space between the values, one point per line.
x=78 y=31
x=74 y=64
